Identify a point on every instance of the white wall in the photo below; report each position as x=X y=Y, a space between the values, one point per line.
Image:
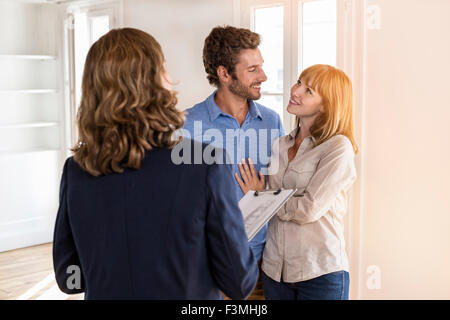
x=181 y=26
x=404 y=217
x=24 y=28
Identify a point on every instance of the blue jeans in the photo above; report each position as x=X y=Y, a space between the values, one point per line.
x=331 y=286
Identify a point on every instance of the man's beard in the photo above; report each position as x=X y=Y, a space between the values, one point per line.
x=239 y=89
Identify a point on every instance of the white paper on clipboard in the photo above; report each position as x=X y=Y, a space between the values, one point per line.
x=258 y=209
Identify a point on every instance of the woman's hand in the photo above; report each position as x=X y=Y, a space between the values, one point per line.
x=250 y=180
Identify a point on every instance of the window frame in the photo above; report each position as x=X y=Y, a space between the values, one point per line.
x=292 y=44
x=111 y=8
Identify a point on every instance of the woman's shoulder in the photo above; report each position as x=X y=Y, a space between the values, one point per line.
x=73 y=169
x=338 y=143
x=70 y=164
x=341 y=140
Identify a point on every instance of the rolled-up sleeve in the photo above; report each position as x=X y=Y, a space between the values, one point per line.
x=335 y=173
x=66 y=262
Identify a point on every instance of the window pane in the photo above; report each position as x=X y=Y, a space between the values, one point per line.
x=99 y=27
x=87 y=31
x=269 y=24
x=81 y=45
x=273 y=102
x=319 y=33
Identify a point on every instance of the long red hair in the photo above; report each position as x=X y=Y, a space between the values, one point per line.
x=336 y=91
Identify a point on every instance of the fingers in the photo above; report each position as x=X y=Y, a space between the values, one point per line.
x=261 y=176
x=248 y=172
x=246 y=177
x=252 y=168
x=262 y=180
x=241 y=183
x=250 y=179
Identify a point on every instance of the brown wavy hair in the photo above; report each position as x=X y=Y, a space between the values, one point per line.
x=222 y=48
x=125 y=109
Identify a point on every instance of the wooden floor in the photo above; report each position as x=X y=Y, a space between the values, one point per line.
x=27 y=274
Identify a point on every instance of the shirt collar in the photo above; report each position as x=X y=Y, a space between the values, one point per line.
x=254 y=109
x=214 y=110
x=294 y=132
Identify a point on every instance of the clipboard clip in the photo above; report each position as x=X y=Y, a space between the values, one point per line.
x=265 y=191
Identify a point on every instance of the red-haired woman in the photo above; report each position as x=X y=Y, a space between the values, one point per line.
x=305 y=256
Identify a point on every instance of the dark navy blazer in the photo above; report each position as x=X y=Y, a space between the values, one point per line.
x=165 y=231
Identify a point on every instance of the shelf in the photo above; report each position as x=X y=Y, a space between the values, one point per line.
x=27 y=57
x=28 y=74
x=32 y=91
x=28 y=125
x=33 y=150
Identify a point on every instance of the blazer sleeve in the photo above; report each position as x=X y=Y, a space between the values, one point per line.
x=233 y=265
x=66 y=262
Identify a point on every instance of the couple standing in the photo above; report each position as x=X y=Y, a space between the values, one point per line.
x=305 y=253
x=136 y=225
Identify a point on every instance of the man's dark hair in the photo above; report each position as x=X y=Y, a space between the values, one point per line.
x=222 y=48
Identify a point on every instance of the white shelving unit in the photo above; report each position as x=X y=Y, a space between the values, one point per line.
x=29 y=57
x=29 y=91
x=32 y=125
x=30 y=150
x=28 y=123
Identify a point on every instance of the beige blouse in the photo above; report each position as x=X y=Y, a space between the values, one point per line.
x=306 y=238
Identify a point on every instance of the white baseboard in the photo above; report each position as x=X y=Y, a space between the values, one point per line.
x=25 y=233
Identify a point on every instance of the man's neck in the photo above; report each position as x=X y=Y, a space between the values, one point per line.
x=231 y=104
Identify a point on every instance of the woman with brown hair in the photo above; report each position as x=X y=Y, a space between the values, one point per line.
x=131 y=223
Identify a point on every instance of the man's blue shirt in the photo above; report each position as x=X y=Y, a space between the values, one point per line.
x=205 y=122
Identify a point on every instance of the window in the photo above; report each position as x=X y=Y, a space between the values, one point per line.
x=268 y=22
x=89 y=27
x=99 y=26
x=295 y=35
x=318 y=35
x=85 y=24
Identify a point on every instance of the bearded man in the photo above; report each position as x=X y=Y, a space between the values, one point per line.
x=230 y=118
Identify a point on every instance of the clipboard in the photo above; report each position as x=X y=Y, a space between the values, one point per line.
x=258 y=207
